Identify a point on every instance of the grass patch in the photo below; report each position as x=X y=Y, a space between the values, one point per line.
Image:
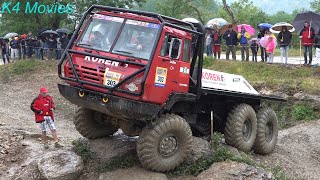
x=23 y=67
x=82 y=148
x=127 y=160
x=221 y=153
x=278 y=173
x=292 y=112
x=274 y=77
x=303 y=112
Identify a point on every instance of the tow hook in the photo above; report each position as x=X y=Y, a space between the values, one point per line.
x=105 y=99
x=81 y=93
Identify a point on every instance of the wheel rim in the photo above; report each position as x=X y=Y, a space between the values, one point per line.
x=168 y=146
x=246 y=130
x=269 y=131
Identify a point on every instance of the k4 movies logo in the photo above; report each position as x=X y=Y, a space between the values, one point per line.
x=36 y=8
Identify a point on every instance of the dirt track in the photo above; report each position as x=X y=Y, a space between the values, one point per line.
x=297 y=151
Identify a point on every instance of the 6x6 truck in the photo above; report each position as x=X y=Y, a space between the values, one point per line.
x=142 y=72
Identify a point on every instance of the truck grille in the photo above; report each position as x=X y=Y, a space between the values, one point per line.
x=88 y=74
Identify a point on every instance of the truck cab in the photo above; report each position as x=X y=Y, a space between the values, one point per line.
x=142 y=72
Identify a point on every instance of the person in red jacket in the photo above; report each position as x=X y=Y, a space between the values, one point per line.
x=307 y=35
x=43 y=107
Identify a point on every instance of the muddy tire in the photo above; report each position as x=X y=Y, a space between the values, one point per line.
x=241 y=127
x=165 y=144
x=267 y=131
x=92 y=124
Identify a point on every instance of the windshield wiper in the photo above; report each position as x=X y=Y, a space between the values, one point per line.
x=126 y=52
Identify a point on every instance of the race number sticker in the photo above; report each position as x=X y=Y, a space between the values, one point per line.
x=111 y=78
x=161 y=77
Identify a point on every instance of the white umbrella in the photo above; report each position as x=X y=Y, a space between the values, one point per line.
x=278 y=27
x=217 y=21
x=190 y=20
x=9 y=35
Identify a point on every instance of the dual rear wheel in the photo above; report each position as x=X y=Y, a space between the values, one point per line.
x=245 y=129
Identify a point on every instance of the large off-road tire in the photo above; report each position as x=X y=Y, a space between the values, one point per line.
x=267 y=131
x=165 y=144
x=241 y=127
x=92 y=124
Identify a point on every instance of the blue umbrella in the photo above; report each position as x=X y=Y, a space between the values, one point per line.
x=266 y=26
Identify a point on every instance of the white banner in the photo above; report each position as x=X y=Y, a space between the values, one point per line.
x=225 y=81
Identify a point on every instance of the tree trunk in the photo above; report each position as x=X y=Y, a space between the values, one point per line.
x=228 y=10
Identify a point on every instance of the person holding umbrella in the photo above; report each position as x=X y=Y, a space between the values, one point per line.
x=244 y=37
x=231 y=42
x=307 y=35
x=284 y=37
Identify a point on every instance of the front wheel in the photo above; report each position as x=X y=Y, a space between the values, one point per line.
x=93 y=124
x=267 y=131
x=165 y=144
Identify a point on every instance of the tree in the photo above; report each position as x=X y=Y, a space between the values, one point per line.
x=23 y=22
x=243 y=12
x=315 y=5
x=203 y=10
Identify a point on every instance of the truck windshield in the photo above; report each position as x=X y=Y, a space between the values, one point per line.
x=137 y=39
x=101 y=32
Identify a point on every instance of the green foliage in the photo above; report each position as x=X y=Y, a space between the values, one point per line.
x=245 y=12
x=278 y=173
x=315 y=5
x=127 y=160
x=82 y=149
x=203 y=10
x=303 y=112
x=24 y=22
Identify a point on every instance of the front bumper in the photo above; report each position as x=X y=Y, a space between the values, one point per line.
x=115 y=106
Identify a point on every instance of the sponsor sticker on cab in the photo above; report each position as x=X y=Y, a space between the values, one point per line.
x=111 y=78
x=161 y=77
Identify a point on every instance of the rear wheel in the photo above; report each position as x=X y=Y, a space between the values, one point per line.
x=241 y=127
x=92 y=124
x=165 y=144
x=267 y=131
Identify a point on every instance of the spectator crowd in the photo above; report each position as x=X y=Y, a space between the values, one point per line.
x=244 y=41
x=27 y=45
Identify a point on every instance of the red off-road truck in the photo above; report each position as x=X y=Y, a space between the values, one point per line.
x=142 y=72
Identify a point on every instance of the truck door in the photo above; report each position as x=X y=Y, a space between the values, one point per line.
x=165 y=70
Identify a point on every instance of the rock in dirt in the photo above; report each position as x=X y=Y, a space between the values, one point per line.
x=234 y=170
x=275 y=94
x=313 y=99
x=60 y=165
x=199 y=148
x=134 y=173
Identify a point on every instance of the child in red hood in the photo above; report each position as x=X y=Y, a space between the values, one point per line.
x=270 y=49
x=43 y=107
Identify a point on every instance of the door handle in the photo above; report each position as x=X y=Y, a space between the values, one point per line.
x=166 y=60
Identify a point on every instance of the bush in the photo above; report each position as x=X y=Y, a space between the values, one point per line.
x=303 y=112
